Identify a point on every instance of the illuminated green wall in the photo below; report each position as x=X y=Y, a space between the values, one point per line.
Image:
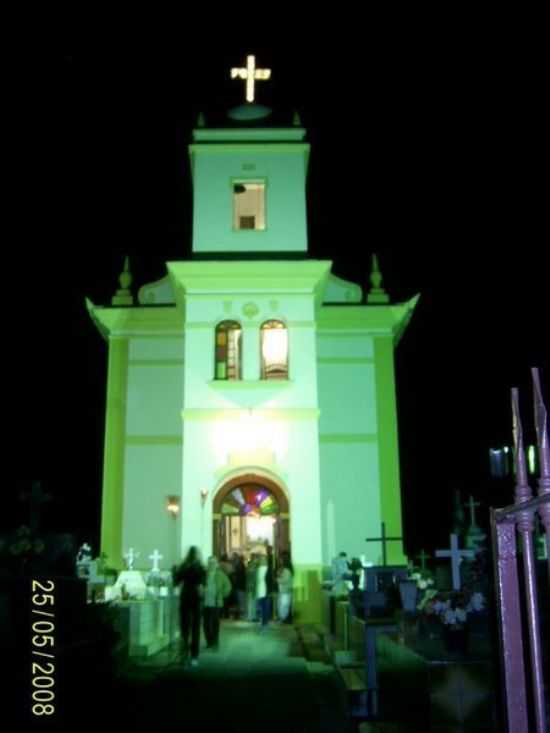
x=113 y=467
x=327 y=435
x=153 y=447
x=281 y=164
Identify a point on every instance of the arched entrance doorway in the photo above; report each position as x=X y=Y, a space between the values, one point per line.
x=248 y=511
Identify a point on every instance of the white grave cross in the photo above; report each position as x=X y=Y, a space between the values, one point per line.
x=456 y=557
x=155 y=557
x=130 y=556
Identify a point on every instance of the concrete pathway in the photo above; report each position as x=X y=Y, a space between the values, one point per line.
x=257 y=682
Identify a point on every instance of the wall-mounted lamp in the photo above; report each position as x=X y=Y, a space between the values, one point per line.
x=204 y=494
x=173 y=505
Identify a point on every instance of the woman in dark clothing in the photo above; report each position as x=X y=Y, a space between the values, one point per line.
x=192 y=575
x=239 y=584
x=270 y=580
x=286 y=562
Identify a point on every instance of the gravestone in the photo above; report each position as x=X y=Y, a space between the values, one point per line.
x=408 y=591
x=129 y=582
x=381 y=595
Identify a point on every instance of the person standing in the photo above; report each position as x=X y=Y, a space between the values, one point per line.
x=262 y=597
x=217 y=588
x=239 y=585
x=341 y=575
x=251 y=603
x=270 y=580
x=285 y=578
x=192 y=576
x=227 y=567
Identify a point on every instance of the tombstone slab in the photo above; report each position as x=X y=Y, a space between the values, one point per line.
x=133 y=582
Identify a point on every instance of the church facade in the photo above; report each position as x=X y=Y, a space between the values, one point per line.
x=251 y=392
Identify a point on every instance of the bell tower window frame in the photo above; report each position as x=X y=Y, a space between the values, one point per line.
x=274 y=348
x=228 y=351
x=249 y=204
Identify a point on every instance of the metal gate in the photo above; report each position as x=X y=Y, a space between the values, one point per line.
x=518 y=605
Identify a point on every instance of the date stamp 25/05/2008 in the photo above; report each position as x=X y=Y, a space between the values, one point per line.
x=42 y=647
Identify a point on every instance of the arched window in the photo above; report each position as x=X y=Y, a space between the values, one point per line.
x=228 y=350
x=274 y=336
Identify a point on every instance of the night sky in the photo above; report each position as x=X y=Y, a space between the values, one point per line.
x=434 y=162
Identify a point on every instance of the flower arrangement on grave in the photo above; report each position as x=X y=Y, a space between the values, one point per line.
x=423 y=578
x=451 y=608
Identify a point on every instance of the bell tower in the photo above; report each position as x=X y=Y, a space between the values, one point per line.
x=249 y=183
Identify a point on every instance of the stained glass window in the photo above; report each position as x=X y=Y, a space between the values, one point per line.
x=250 y=501
x=228 y=350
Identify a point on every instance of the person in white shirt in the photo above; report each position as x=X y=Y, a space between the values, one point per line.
x=217 y=588
x=262 y=597
x=284 y=582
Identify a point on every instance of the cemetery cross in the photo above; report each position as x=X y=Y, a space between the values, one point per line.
x=456 y=557
x=384 y=540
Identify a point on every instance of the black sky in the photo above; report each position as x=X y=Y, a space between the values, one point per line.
x=434 y=160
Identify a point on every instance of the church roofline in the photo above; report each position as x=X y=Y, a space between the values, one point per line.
x=381 y=319
x=126 y=321
x=250 y=276
x=249 y=134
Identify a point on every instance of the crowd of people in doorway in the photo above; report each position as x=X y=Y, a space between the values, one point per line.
x=231 y=588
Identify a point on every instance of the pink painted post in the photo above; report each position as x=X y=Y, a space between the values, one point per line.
x=507 y=587
x=526 y=528
x=541 y=424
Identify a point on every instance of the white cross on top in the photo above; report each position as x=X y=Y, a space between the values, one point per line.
x=250 y=73
x=130 y=556
x=155 y=557
x=456 y=556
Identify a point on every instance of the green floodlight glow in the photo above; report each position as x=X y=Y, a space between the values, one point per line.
x=531 y=458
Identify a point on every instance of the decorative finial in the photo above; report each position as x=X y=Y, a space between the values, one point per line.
x=201 y=122
x=543 y=488
x=541 y=424
x=250 y=74
x=296 y=120
x=522 y=490
x=123 y=296
x=377 y=294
